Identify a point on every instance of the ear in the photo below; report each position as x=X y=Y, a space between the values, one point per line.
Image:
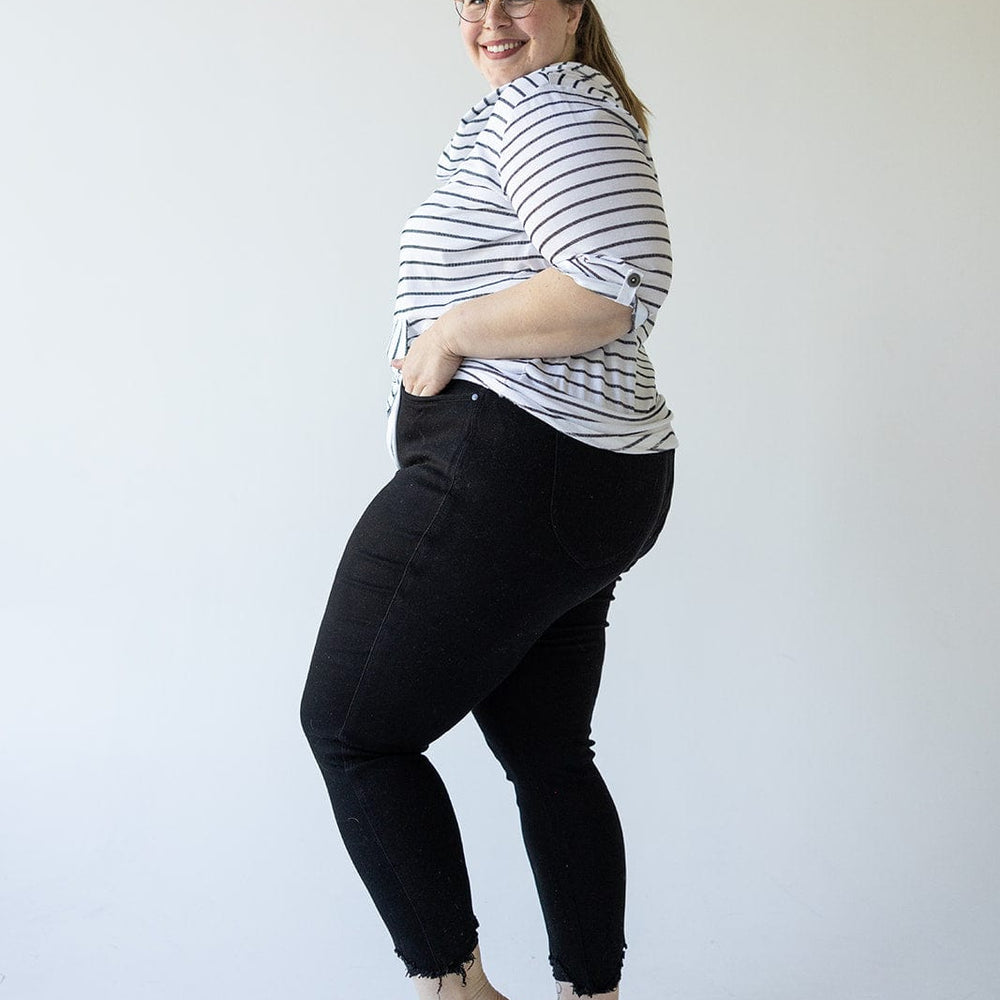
x=574 y=11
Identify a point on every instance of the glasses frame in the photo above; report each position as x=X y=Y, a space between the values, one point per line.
x=460 y=4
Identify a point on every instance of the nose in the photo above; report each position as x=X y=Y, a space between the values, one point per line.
x=495 y=15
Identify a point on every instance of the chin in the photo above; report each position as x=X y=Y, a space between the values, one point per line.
x=501 y=79
x=497 y=76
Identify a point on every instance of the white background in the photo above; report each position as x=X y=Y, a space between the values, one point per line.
x=199 y=211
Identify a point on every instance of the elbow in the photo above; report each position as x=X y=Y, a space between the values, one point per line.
x=589 y=319
x=625 y=319
x=607 y=319
x=600 y=322
x=614 y=322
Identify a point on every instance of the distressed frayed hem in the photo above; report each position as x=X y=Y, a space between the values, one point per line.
x=458 y=968
x=594 y=985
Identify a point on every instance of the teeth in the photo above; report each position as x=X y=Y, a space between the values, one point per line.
x=504 y=47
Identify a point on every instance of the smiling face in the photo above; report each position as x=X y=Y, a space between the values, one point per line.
x=504 y=48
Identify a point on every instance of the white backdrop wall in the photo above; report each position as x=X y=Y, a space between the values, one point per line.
x=199 y=208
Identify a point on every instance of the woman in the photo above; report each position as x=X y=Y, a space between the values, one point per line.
x=535 y=467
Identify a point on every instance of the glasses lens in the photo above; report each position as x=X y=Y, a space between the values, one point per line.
x=475 y=10
x=471 y=10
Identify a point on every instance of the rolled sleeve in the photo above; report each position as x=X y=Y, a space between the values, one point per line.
x=610 y=277
x=579 y=178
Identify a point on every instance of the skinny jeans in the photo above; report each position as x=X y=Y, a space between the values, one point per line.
x=479 y=580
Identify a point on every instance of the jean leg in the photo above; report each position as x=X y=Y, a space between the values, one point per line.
x=390 y=804
x=440 y=593
x=538 y=725
x=449 y=583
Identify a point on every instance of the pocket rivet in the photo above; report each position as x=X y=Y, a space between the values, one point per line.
x=475 y=395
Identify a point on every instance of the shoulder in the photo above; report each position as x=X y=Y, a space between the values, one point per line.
x=570 y=91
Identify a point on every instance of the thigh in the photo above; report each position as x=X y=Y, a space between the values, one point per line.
x=455 y=572
x=446 y=581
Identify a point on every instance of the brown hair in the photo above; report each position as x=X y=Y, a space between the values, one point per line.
x=594 y=48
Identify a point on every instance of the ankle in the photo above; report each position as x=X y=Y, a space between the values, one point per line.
x=564 y=991
x=452 y=989
x=473 y=986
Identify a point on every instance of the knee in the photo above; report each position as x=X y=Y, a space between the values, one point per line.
x=324 y=735
x=319 y=721
x=325 y=703
x=342 y=737
x=553 y=759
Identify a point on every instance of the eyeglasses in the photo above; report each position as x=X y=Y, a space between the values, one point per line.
x=475 y=10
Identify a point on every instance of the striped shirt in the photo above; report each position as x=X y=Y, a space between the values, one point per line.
x=548 y=171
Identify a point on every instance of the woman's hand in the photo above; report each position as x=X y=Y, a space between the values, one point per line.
x=429 y=363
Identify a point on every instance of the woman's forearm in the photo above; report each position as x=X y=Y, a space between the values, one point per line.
x=546 y=316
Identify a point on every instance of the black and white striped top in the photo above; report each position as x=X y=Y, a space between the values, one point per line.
x=549 y=170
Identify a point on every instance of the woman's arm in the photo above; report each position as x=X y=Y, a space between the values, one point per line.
x=546 y=316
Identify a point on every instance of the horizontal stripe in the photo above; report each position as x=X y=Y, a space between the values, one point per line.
x=549 y=171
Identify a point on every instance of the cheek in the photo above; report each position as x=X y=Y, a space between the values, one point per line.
x=548 y=38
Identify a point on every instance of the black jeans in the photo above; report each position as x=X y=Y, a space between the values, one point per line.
x=478 y=580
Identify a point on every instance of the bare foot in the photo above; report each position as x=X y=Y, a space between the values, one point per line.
x=451 y=987
x=564 y=991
